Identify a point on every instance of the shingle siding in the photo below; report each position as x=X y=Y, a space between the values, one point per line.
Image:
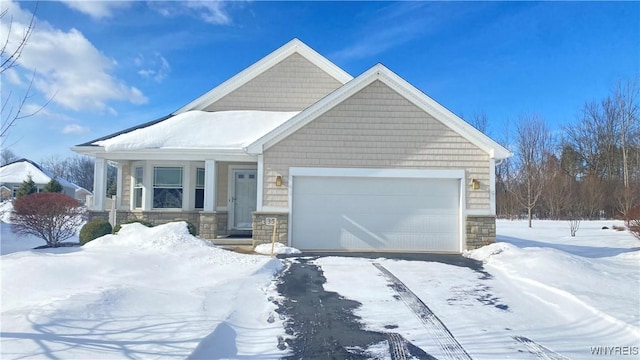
x=376 y=128
x=291 y=85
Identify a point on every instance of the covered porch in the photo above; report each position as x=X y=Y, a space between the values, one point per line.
x=218 y=196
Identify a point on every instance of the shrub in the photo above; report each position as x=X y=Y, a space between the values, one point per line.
x=93 y=230
x=192 y=228
x=53 y=186
x=632 y=220
x=141 y=221
x=27 y=187
x=53 y=217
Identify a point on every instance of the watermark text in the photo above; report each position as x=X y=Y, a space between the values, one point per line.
x=615 y=350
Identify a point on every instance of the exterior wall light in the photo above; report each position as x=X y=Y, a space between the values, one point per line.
x=475 y=184
x=278 y=180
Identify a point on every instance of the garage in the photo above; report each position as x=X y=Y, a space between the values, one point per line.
x=375 y=210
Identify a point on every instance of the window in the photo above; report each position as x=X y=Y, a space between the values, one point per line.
x=199 y=188
x=167 y=187
x=137 y=187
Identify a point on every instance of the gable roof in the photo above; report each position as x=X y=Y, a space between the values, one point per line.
x=246 y=75
x=415 y=96
x=17 y=172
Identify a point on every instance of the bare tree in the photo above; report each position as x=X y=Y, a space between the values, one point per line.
x=558 y=195
x=7 y=156
x=77 y=169
x=13 y=109
x=628 y=111
x=533 y=144
x=480 y=121
x=606 y=137
x=505 y=202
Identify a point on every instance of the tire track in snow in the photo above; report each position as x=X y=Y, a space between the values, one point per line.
x=447 y=342
x=538 y=350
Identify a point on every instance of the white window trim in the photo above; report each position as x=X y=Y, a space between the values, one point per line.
x=195 y=168
x=134 y=187
x=182 y=180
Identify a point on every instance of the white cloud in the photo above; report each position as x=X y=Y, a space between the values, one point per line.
x=68 y=66
x=12 y=76
x=213 y=12
x=156 y=68
x=96 y=9
x=394 y=25
x=75 y=129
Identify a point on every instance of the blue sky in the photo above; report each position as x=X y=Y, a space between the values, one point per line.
x=112 y=65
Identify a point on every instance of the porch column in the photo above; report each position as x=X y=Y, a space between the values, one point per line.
x=119 y=184
x=99 y=184
x=260 y=186
x=209 y=186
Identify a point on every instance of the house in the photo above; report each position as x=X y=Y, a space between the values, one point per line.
x=334 y=163
x=13 y=174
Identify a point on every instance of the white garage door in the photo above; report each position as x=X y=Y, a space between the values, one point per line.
x=375 y=214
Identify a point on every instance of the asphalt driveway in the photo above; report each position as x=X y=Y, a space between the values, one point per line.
x=322 y=324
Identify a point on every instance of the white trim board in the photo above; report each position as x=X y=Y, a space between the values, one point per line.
x=373 y=172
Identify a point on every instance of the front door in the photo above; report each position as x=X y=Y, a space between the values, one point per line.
x=243 y=198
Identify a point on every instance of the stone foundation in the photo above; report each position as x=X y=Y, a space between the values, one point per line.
x=263 y=230
x=208 y=224
x=481 y=231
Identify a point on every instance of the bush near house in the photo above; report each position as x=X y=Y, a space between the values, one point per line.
x=27 y=187
x=53 y=217
x=93 y=230
x=632 y=220
x=141 y=221
x=53 y=186
x=192 y=228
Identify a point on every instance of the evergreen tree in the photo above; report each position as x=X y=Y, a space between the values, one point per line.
x=53 y=186
x=27 y=187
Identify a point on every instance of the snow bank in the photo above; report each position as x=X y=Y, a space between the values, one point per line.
x=171 y=237
x=144 y=293
x=6 y=207
x=200 y=130
x=566 y=294
x=278 y=248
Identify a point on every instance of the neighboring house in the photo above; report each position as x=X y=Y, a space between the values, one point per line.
x=13 y=174
x=368 y=163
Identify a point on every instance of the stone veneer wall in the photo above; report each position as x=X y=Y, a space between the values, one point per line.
x=262 y=232
x=209 y=225
x=481 y=231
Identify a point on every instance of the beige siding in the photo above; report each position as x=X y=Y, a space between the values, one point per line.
x=376 y=128
x=291 y=85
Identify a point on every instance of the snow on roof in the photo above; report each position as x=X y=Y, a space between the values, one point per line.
x=200 y=130
x=18 y=171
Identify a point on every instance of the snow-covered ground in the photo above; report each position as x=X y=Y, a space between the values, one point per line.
x=567 y=294
x=144 y=293
x=161 y=293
